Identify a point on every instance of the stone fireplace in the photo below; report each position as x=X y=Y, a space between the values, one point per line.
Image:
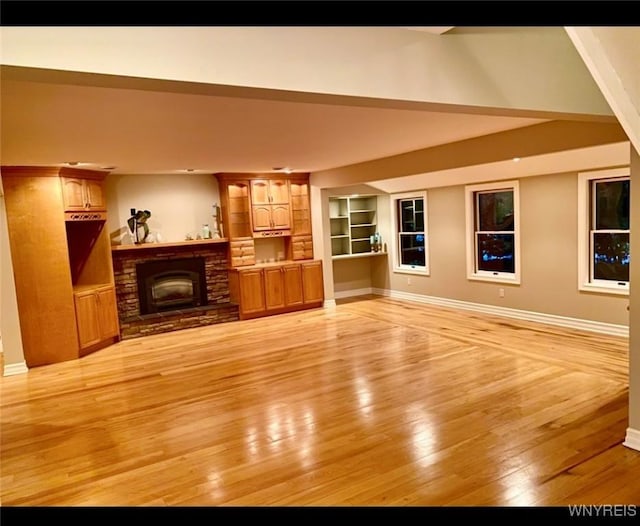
x=161 y=288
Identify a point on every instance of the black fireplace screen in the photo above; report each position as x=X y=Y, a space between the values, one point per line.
x=174 y=284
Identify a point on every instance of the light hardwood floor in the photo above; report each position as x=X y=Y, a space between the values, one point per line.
x=375 y=402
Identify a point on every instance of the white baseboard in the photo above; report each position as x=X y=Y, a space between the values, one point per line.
x=633 y=439
x=549 y=319
x=329 y=304
x=15 y=368
x=353 y=292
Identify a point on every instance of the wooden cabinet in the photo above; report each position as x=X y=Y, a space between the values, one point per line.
x=252 y=292
x=270 y=207
x=246 y=288
x=273 y=288
x=300 y=207
x=235 y=208
x=82 y=194
x=292 y=277
x=301 y=247
x=96 y=315
x=266 y=206
x=242 y=252
x=54 y=258
x=276 y=289
x=312 y=283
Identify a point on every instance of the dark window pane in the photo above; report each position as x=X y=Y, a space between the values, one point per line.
x=612 y=205
x=611 y=257
x=411 y=215
x=407 y=218
x=496 y=253
x=412 y=250
x=495 y=211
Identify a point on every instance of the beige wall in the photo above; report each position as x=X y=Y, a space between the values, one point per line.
x=548 y=215
x=11 y=343
x=351 y=274
x=634 y=336
x=179 y=204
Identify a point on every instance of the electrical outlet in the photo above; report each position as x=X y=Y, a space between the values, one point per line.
x=501 y=293
x=408 y=280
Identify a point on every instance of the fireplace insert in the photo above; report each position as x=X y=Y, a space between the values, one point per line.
x=171 y=284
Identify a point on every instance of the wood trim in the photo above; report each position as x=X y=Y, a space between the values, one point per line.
x=538 y=317
x=30 y=171
x=152 y=246
x=82 y=173
x=632 y=439
x=53 y=171
x=11 y=369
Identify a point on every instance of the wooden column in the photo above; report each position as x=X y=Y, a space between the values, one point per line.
x=38 y=240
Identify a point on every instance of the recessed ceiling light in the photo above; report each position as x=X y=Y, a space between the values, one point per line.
x=73 y=163
x=516 y=159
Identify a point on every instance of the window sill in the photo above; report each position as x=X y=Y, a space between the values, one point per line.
x=415 y=272
x=587 y=287
x=494 y=279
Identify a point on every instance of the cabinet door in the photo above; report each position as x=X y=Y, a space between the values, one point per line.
x=261 y=217
x=300 y=207
x=87 y=318
x=251 y=291
x=312 y=285
x=94 y=195
x=239 y=223
x=260 y=192
x=280 y=218
x=292 y=285
x=73 y=194
x=107 y=313
x=279 y=192
x=274 y=288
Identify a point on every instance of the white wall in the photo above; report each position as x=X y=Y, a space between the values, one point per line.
x=179 y=204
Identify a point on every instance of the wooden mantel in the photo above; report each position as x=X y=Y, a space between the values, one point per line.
x=155 y=246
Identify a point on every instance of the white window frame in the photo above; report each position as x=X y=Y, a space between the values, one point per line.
x=397 y=266
x=473 y=273
x=585 y=262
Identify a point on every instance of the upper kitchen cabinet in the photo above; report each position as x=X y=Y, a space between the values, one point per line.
x=83 y=191
x=235 y=206
x=270 y=205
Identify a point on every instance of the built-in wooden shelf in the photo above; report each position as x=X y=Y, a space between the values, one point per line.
x=155 y=246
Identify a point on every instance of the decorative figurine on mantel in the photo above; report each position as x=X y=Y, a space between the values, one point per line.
x=217 y=223
x=137 y=221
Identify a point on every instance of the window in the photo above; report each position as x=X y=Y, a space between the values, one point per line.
x=410 y=219
x=492 y=232
x=603 y=236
